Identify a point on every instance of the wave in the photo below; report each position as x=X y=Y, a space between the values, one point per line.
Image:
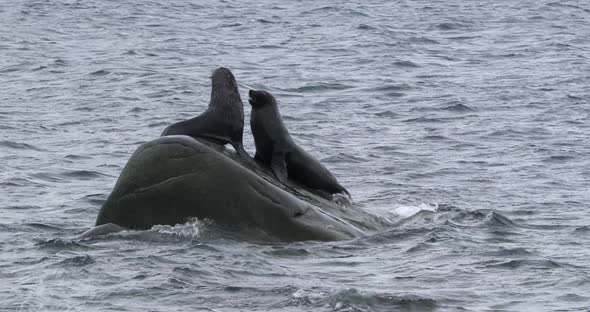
x=76 y=157
x=387 y=113
x=376 y=301
x=60 y=244
x=319 y=87
x=449 y=26
x=75 y=261
x=512 y=252
x=518 y=263
x=83 y=174
x=21 y=146
x=344 y=158
x=67 y=175
x=456 y=107
x=424 y=225
x=405 y=64
x=287 y=252
x=353 y=299
x=101 y=72
x=95 y=199
x=424 y=120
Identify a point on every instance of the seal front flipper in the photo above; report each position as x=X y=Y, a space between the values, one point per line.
x=278 y=165
x=258 y=158
x=239 y=147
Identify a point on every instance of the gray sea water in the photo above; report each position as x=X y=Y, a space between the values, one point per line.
x=463 y=123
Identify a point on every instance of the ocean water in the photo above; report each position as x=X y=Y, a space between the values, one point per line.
x=465 y=124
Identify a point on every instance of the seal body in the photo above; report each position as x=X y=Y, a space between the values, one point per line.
x=223 y=121
x=276 y=148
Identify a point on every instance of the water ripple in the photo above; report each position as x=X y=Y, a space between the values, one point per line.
x=478 y=108
x=19 y=146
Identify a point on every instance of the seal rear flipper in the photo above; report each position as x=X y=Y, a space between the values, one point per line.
x=278 y=165
x=240 y=150
x=343 y=190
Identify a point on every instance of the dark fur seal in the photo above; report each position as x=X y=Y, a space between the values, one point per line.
x=223 y=121
x=275 y=147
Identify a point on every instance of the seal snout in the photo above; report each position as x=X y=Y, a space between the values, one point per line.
x=252 y=95
x=260 y=98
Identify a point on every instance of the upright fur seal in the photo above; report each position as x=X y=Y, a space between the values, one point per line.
x=223 y=121
x=275 y=147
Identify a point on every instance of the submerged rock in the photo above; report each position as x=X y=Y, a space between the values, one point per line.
x=174 y=178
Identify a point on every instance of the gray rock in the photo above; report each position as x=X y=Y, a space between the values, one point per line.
x=174 y=178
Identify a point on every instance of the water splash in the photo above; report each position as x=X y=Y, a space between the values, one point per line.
x=189 y=229
x=407 y=211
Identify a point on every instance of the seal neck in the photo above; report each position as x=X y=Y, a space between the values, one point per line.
x=224 y=93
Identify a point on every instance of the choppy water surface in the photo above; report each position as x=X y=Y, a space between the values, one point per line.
x=463 y=123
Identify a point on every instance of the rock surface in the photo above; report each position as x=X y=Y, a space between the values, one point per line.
x=174 y=178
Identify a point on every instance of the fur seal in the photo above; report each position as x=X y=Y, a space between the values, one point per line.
x=275 y=147
x=223 y=121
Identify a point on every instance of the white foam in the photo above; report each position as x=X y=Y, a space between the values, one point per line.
x=189 y=229
x=407 y=211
